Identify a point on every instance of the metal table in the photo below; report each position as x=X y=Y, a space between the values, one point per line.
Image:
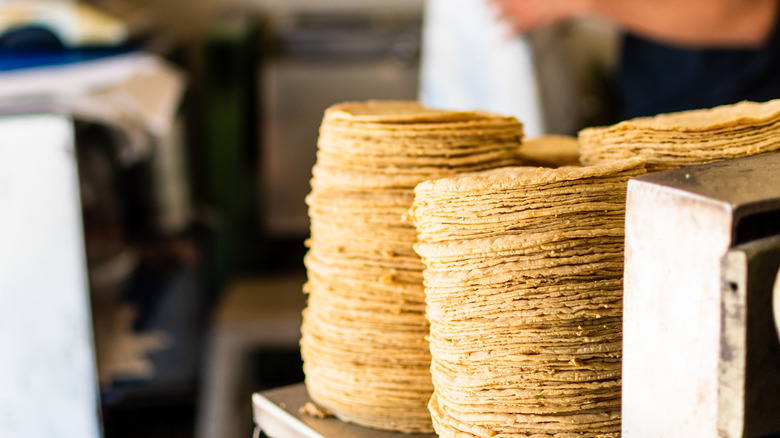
x=276 y=413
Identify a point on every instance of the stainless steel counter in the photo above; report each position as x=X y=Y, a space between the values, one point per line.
x=276 y=413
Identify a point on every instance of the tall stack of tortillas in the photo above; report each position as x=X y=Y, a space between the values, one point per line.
x=524 y=297
x=364 y=345
x=689 y=137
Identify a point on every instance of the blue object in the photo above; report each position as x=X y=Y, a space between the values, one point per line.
x=37 y=46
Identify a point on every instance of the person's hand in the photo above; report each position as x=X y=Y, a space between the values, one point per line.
x=526 y=15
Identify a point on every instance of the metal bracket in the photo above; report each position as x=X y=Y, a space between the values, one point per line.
x=749 y=365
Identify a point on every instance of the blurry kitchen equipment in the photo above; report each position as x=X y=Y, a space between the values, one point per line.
x=313 y=61
x=252 y=314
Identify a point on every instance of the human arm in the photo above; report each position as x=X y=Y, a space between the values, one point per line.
x=691 y=23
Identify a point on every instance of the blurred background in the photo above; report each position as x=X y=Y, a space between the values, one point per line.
x=194 y=125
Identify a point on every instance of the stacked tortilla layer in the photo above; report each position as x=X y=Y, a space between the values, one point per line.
x=523 y=284
x=364 y=345
x=550 y=151
x=689 y=137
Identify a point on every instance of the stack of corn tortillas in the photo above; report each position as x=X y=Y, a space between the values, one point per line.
x=689 y=137
x=550 y=151
x=364 y=345
x=523 y=284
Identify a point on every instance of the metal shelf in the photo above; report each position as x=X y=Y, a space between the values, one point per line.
x=276 y=413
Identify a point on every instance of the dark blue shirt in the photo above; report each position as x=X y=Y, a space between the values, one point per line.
x=656 y=78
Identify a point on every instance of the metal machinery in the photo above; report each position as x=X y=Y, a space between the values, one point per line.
x=701 y=356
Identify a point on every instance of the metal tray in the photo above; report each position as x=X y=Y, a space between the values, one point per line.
x=276 y=413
